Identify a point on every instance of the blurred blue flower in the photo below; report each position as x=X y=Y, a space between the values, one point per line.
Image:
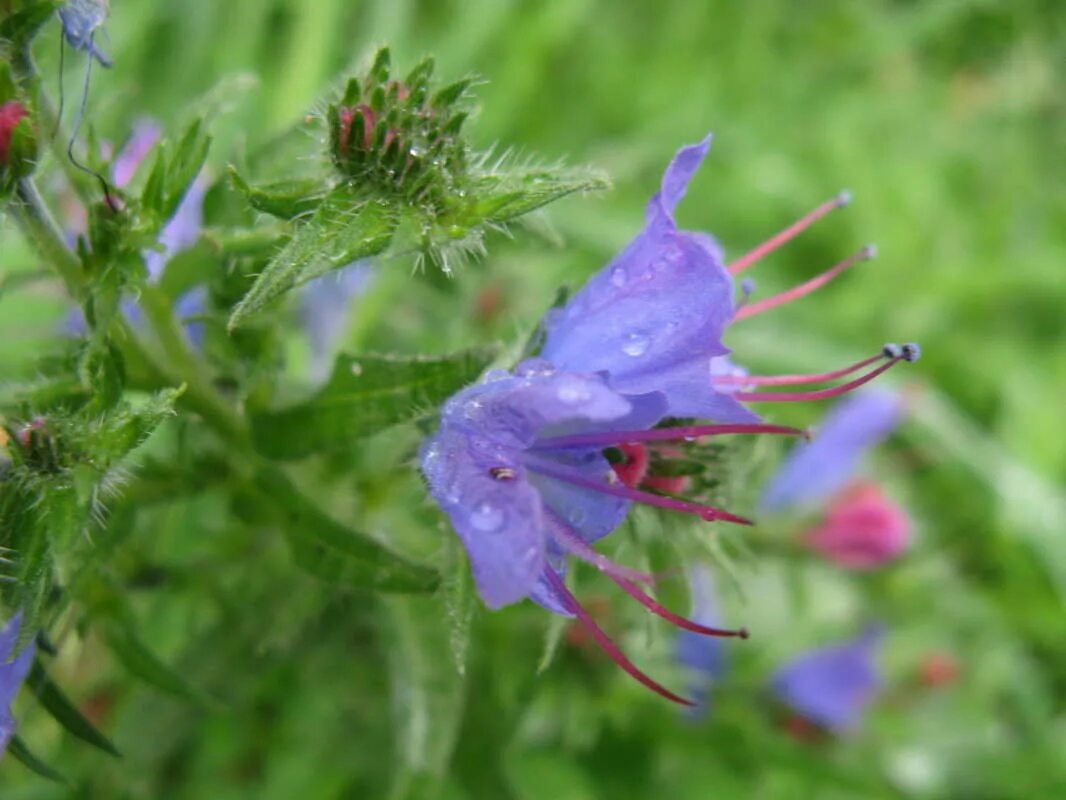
x=704 y=657
x=13 y=672
x=653 y=318
x=81 y=20
x=324 y=310
x=833 y=686
x=816 y=470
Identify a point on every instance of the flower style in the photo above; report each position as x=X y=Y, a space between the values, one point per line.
x=863 y=529
x=833 y=686
x=81 y=19
x=12 y=674
x=518 y=462
x=817 y=470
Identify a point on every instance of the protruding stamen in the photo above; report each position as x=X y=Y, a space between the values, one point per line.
x=789 y=233
x=576 y=546
x=616 y=438
x=682 y=622
x=503 y=473
x=606 y=643
x=570 y=475
x=821 y=394
x=789 y=380
x=804 y=289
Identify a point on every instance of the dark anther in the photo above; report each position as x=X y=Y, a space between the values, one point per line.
x=911 y=352
x=892 y=350
x=503 y=473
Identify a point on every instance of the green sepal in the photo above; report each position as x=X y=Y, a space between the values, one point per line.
x=364 y=395
x=505 y=196
x=286 y=199
x=347 y=226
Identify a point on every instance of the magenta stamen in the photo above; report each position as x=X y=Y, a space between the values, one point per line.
x=574 y=545
x=606 y=643
x=569 y=475
x=615 y=438
x=789 y=233
x=788 y=380
x=821 y=394
x=804 y=289
x=682 y=622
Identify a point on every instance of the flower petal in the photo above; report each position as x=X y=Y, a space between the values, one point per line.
x=816 y=470
x=654 y=317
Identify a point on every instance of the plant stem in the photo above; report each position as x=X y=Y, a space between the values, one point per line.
x=37 y=223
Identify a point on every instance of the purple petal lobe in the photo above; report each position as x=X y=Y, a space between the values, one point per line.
x=833 y=686
x=12 y=675
x=654 y=317
x=816 y=470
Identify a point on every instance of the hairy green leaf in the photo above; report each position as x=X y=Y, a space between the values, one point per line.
x=364 y=395
x=503 y=197
x=286 y=199
x=64 y=711
x=332 y=551
x=345 y=227
x=18 y=750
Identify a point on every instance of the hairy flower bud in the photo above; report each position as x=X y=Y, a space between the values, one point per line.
x=397 y=135
x=18 y=143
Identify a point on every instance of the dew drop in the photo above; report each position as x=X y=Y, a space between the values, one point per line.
x=619 y=277
x=577 y=516
x=636 y=345
x=571 y=392
x=356 y=368
x=486 y=518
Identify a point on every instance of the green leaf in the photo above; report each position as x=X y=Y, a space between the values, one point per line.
x=64 y=711
x=23 y=25
x=505 y=196
x=459 y=600
x=332 y=551
x=138 y=658
x=345 y=227
x=18 y=750
x=285 y=199
x=427 y=700
x=364 y=395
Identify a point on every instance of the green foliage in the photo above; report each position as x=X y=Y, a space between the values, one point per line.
x=365 y=395
x=251 y=597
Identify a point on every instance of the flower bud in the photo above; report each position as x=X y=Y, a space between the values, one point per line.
x=18 y=142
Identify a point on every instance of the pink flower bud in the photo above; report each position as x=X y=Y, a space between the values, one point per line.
x=863 y=529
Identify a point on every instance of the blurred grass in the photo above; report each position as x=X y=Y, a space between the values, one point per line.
x=945 y=119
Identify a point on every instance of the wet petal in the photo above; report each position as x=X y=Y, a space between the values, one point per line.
x=654 y=317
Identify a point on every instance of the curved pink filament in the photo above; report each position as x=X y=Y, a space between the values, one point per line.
x=789 y=233
x=789 y=380
x=804 y=289
x=613 y=438
x=606 y=643
x=682 y=622
x=821 y=394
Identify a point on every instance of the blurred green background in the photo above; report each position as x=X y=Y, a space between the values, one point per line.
x=944 y=118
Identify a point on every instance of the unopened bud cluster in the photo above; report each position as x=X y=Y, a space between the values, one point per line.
x=399 y=136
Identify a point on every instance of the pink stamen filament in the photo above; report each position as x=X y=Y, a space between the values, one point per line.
x=615 y=438
x=804 y=289
x=606 y=643
x=574 y=545
x=682 y=622
x=569 y=475
x=821 y=394
x=789 y=233
x=789 y=380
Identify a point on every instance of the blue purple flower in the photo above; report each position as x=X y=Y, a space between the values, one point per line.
x=13 y=671
x=518 y=463
x=816 y=470
x=833 y=686
x=325 y=304
x=81 y=20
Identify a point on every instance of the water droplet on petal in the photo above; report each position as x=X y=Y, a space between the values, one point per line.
x=636 y=345
x=577 y=516
x=486 y=517
x=619 y=277
x=573 y=391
